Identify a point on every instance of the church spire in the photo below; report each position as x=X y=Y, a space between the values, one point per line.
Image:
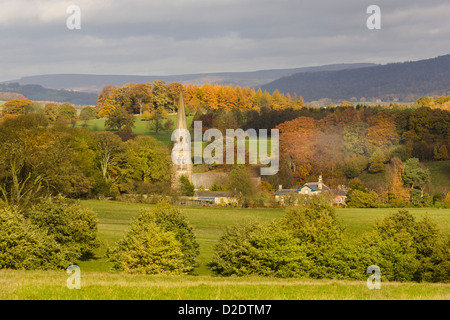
x=181 y=152
x=181 y=115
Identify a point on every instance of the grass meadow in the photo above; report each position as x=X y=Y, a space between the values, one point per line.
x=140 y=128
x=98 y=281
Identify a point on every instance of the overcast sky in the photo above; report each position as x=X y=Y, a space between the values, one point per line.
x=164 y=37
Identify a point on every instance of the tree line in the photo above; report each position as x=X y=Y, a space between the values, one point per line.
x=340 y=142
x=344 y=144
x=38 y=159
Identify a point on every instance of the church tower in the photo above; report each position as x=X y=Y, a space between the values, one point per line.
x=181 y=152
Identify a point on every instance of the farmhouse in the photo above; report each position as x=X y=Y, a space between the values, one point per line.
x=311 y=189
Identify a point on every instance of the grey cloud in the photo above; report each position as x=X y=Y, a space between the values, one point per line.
x=190 y=36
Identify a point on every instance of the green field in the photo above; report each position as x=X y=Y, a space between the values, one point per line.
x=99 y=282
x=51 y=285
x=210 y=222
x=163 y=136
x=139 y=129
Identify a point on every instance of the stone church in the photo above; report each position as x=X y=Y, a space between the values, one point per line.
x=182 y=159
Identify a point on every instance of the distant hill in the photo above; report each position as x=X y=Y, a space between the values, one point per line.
x=404 y=81
x=38 y=93
x=95 y=83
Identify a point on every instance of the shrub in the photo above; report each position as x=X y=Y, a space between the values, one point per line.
x=288 y=247
x=25 y=246
x=72 y=226
x=314 y=224
x=346 y=261
x=250 y=249
x=408 y=250
x=362 y=199
x=171 y=219
x=158 y=242
x=147 y=249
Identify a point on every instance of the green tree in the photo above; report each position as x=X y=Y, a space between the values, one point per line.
x=162 y=96
x=252 y=249
x=119 y=119
x=157 y=117
x=109 y=150
x=421 y=121
x=241 y=184
x=71 y=226
x=441 y=153
x=291 y=246
x=67 y=114
x=88 y=113
x=172 y=219
x=377 y=161
x=25 y=246
x=187 y=188
x=146 y=160
x=409 y=250
x=415 y=177
x=315 y=225
x=147 y=249
x=362 y=199
x=36 y=161
x=158 y=242
x=354 y=135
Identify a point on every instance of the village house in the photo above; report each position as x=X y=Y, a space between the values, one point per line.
x=311 y=189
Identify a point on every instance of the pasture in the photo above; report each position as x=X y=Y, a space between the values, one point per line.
x=208 y=223
x=141 y=127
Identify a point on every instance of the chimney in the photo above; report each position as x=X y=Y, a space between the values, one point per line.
x=280 y=187
x=320 y=182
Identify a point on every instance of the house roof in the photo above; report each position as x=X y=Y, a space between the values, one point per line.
x=214 y=194
x=314 y=186
x=284 y=191
x=339 y=192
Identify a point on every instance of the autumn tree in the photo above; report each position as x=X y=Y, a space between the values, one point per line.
x=382 y=131
x=105 y=102
x=17 y=106
x=141 y=96
x=296 y=138
x=397 y=193
x=50 y=111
